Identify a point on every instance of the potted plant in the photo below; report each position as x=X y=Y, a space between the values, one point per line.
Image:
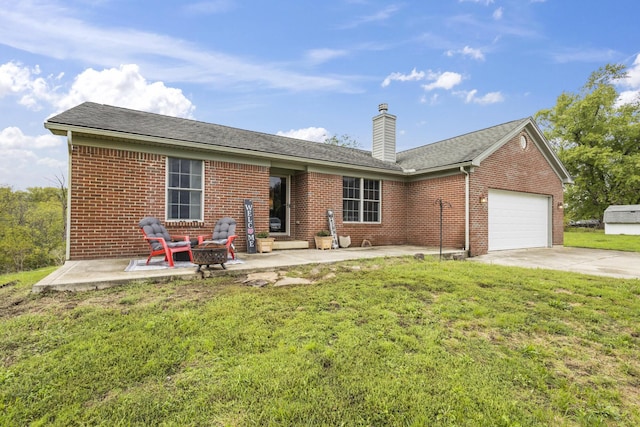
x=323 y=240
x=264 y=243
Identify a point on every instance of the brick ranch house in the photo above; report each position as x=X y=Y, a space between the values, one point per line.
x=501 y=187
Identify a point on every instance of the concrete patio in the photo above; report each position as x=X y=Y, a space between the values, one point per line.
x=105 y=273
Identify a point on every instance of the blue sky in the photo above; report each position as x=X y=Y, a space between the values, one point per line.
x=306 y=69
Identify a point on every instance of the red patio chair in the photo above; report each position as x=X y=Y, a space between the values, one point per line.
x=224 y=233
x=161 y=243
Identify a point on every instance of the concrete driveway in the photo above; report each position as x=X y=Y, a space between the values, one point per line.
x=578 y=260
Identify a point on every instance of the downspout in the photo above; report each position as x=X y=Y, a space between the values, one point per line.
x=466 y=209
x=68 y=228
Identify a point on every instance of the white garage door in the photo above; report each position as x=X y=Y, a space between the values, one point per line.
x=518 y=220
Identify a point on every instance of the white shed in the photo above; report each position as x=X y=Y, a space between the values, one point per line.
x=622 y=219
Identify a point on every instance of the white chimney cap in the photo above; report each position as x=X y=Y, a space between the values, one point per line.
x=383 y=107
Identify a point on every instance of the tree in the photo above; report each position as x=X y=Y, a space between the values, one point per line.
x=598 y=139
x=31 y=228
x=62 y=198
x=342 y=141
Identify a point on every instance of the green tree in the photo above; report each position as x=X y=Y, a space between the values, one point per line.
x=31 y=228
x=342 y=141
x=598 y=139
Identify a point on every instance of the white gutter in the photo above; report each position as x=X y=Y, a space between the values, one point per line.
x=57 y=129
x=466 y=208
x=68 y=219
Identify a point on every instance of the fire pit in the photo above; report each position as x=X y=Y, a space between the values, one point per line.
x=209 y=253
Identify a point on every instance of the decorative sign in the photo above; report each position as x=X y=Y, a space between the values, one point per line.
x=249 y=226
x=332 y=228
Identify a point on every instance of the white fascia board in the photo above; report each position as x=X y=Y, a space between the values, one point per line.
x=455 y=168
x=236 y=155
x=359 y=171
x=549 y=153
x=541 y=142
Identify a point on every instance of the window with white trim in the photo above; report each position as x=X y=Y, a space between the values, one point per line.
x=360 y=200
x=184 y=189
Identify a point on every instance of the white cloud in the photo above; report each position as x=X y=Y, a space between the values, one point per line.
x=474 y=53
x=631 y=82
x=413 y=76
x=319 y=56
x=309 y=134
x=16 y=79
x=126 y=87
x=432 y=100
x=489 y=98
x=497 y=14
x=209 y=7
x=585 y=55
x=381 y=15
x=53 y=31
x=53 y=164
x=485 y=2
x=496 y=29
x=12 y=137
x=123 y=87
x=467 y=51
x=628 y=97
x=446 y=80
x=21 y=152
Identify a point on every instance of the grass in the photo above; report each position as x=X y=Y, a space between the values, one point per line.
x=596 y=239
x=393 y=341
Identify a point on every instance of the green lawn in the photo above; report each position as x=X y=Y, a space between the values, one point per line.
x=379 y=342
x=596 y=239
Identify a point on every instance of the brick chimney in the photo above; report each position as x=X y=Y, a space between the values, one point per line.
x=384 y=135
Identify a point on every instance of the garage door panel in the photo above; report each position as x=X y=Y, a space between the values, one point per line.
x=518 y=220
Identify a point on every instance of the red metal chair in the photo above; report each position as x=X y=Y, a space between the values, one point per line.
x=224 y=233
x=161 y=243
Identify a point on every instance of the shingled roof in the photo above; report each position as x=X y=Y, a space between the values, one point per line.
x=465 y=150
x=622 y=214
x=91 y=118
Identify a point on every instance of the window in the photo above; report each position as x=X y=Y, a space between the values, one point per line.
x=184 y=189
x=360 y=200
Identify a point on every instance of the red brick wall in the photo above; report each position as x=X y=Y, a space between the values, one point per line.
x=424 y=211
x=512 y=168
x=393 y=228
x=112 y=190
x=323 y=192
x=313 y=193
x=299 y=211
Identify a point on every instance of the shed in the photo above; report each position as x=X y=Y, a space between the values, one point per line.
x=622 y=219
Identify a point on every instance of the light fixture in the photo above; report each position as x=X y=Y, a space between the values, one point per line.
x=483 y=199
x=560 y=205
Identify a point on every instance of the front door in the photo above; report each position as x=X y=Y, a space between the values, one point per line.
x=278 y=204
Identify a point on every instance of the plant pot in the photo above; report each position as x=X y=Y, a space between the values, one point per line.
x=265 y=244
x=323 y=242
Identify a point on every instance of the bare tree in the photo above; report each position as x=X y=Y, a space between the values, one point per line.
x=59 y=182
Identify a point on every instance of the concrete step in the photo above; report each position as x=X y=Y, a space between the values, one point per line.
x=291 y=244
